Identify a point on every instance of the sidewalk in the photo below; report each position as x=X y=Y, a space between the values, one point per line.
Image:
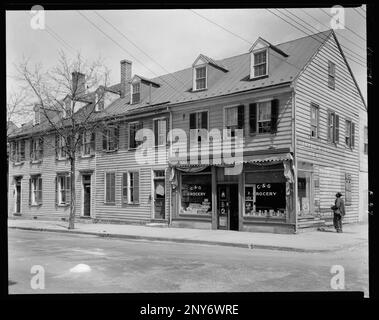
x=310 y=241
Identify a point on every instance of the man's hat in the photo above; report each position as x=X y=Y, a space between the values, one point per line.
x=338 y=194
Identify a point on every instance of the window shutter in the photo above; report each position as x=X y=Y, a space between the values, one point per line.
x=80 y=143
x=105 y=139
x=352 y=134
x=113 y=187
x=274 y=115
x=329 y=130
x=56 y=190
x=22 y=149
x=93 y=141
x=337 y=128
x=156 y=123
x=68 y=189
x=56 y=145
x=41 y=146
x=135 y=187
x=241 y=116
x=124 y=189
x=31 y=149
x=116 y=137
x=30 y=191
x=13 y=150
x=192 y=121
x=204 y=120
x=253 y=117
x=39 y=190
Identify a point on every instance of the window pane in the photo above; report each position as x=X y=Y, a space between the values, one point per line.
x=200 y=84
x=200 y=73
x=264 y=111
x=231 y=117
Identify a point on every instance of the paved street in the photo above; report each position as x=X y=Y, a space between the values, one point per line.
x=119 y=265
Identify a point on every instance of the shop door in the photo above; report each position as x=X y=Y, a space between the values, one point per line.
x=227 y=215
x=18 y=195
x=159 y=194
x=86 y=195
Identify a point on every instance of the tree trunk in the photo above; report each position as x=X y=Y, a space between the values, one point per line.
x=71 y=218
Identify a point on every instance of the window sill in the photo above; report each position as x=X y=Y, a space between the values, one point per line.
x=63 y=205
x=110 y=151
x=259 y=77
x=261 y=134
x=198 y=90
x=130 y=204
x=19 y=163
x=86 y=156
x=36 y=161
x=61 y=159
x=35 y=205
x=110 y=203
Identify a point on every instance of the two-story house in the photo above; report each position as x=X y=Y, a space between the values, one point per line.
x=261 y=141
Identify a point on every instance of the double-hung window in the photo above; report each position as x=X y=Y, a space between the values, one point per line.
x=234 y=118
x=110 y=138
x=198 y=121
x=110 y=187
x=36 y=149
x=333 y=127
x=200 y=78
x=260 y=63
x=133 y=129
x=331 y=75
x=136 y=90
x=18 y=150
x=160 y=132
x=130 y=187
x=349 y=133
x=263 y=116
x=87 y=143
x=314 y=120
x=62 y=146
x=35 y=190
x=63 y=189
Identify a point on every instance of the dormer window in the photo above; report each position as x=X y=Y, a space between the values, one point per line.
x=201 y=78
x=136 y=89
x=260 y=63
x=99 y=103
x=37 y=116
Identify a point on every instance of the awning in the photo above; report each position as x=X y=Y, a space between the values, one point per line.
x=263 y=159
x=268 y=158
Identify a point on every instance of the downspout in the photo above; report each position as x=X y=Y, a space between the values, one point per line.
x=294 y=155
x=170 y=134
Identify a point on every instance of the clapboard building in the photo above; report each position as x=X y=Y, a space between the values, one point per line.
x=295 y=121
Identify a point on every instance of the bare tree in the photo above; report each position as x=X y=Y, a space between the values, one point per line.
x=68 y=97
x=17 y=109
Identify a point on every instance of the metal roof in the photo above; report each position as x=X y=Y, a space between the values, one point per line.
x=176 y=87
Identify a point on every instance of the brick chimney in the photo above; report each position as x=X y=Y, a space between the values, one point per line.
x=78 y=84
x=126 y=75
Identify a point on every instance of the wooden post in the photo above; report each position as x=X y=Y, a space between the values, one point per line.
x=214 y=198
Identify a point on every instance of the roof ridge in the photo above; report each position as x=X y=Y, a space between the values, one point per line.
x=307 y=36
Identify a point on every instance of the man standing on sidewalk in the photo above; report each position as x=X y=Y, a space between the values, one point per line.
x=339 y=212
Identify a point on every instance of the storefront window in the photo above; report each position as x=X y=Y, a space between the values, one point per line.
x=265 y=200
x=196 y=194
x=303 y=194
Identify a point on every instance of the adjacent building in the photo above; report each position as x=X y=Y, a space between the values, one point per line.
x=278 y=130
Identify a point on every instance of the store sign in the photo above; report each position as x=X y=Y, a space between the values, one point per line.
x=266 y=190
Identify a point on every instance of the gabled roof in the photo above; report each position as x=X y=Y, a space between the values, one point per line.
x=176 y=88
x=146 y=80
x=209 y=60
x=267 y=44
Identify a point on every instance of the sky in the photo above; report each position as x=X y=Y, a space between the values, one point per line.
x=163 y=41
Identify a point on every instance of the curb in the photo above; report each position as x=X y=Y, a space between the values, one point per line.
x=179 y=240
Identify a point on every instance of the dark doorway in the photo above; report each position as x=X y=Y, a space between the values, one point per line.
x=227 y=209
x=86 y=195
x=159 y=194
x=18 y=195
